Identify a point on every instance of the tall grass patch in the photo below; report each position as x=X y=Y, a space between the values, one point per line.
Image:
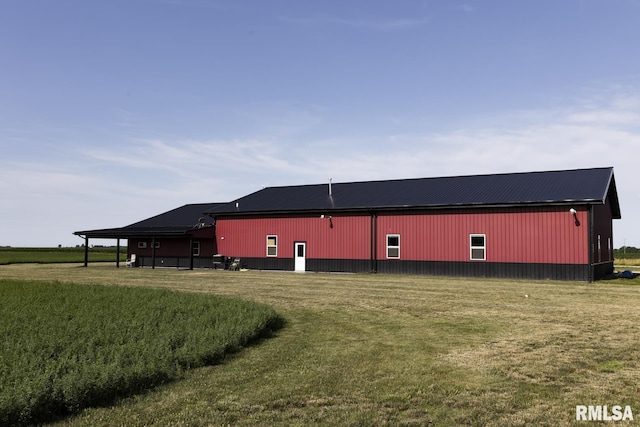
x=67 y=347
x=57 y=255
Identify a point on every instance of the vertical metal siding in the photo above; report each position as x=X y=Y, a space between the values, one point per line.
x=528 y=235
x=246 y=237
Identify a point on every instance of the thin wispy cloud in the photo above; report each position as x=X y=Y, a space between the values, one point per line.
x=388 y=24
x=566 y=137
x=189 y=159
x=124 y=118
x=467 y=8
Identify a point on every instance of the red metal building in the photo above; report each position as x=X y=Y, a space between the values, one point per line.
x=555 y=225
x=542 y=225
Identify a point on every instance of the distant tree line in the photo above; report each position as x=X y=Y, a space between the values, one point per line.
x=626 y=251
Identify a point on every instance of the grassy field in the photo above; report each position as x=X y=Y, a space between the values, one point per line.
x=394 y=350
x=66 y=347
x=57 y=255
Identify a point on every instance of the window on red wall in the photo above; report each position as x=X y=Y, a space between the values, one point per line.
x=478 y=247
x=393 y=246
x=196 y=248
x=272 y=245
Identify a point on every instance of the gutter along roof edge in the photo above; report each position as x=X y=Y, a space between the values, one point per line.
x=137 y=233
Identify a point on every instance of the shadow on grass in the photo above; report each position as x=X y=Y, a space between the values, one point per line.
x=625 y=277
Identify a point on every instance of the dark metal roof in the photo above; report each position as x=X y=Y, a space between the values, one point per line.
x=176 y=222
x=575 y=187
x=578 y=186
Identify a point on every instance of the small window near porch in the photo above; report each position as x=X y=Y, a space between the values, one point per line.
x=272 y=245
x=196 y=248
x=393 y=246
x=478 y=247
x=142 y=245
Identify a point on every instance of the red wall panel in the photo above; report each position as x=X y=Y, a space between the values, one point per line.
x=347 y=239
x=526 y=235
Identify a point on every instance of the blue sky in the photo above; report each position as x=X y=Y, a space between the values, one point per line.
x=115 y=111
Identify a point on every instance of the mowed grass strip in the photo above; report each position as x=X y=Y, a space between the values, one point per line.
x=395 y=350
x=65 y=347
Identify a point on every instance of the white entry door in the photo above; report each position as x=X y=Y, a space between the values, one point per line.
x=300 y=250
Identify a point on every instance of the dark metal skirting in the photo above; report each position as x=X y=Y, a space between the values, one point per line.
x=317 y=265
x=175 y=262
x=339 y=265
x=433 y=268
x=602 y=270
x=575 y=272
x=284 y=264
x=487 y=269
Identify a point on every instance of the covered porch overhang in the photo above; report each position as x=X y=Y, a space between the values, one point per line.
x=125 y=234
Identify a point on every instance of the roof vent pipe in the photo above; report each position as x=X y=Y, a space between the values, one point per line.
x=330 y=193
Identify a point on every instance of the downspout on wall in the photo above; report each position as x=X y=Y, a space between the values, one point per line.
x=374 y=242
x=591 y=242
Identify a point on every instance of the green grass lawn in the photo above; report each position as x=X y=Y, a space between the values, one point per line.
x=394 y=350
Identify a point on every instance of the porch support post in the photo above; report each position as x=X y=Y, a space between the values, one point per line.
x=191 y=253
x=118 y=254
x=86 y=251
x=153 y=253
